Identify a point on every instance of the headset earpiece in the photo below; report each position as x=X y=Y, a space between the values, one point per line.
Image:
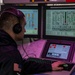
x=17 y=28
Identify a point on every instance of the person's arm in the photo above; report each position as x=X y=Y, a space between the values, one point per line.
x=32 y=67
x=6 y=66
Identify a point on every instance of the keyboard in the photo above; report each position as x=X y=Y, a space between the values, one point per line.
x=66 y=66
x=38 y=60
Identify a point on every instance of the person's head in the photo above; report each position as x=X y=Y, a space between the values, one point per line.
x=13 y=22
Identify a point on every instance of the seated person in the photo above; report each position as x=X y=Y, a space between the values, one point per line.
x=12 y=28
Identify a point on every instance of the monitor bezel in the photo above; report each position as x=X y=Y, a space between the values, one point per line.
x=39 y=21
x=60 y=42
x=44 y=23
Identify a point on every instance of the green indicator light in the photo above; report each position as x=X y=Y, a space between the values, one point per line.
x=65 y=65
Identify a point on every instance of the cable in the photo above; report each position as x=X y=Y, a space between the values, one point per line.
x=27 y=53
x=24 y=49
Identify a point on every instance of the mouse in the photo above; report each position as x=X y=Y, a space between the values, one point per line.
x=67 y=66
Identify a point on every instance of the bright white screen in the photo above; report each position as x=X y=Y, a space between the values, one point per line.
x=60 y=22
x=58 y=51
x=31 y=21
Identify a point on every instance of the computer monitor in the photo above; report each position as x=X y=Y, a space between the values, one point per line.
x=58 y=50
x=59 y=22
x=33 y=20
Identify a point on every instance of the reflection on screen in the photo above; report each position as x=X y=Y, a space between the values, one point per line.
x=60 y=22
x=31 y=21
x=58 y=51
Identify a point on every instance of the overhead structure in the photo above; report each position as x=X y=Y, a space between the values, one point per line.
x=33 y=1
x=1 y=2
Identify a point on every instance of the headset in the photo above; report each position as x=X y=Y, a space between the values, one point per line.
x=17 y=28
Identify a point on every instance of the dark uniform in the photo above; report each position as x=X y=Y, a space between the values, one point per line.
x=9 y=55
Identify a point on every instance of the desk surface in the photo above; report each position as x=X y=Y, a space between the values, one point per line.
x=58 y=73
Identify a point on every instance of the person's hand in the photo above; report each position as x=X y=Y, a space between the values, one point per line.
x=55 y=65
x=16 y=67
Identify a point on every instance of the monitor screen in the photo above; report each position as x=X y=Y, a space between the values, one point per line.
x=58 y=50
x=33 y=20
x=59 y=22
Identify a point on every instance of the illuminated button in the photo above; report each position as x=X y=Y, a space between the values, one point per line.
x=32 y=0
x=45 y=0
x=65 y=65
